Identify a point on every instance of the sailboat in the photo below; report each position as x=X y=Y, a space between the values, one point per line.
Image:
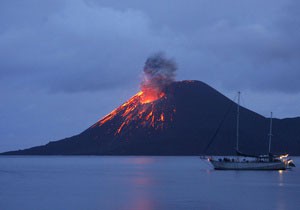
x=251 y=162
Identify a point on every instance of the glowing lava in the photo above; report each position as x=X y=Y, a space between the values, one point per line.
x=144 y=109
x=150 y=96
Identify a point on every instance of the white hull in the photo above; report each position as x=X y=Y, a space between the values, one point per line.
x=222 y=165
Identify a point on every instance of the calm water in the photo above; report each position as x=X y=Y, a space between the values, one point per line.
x=140 y=183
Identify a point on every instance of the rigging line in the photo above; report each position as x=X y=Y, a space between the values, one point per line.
x=243 y=101
x=220 y=125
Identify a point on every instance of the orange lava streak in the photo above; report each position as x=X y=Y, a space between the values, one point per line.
x=149 y=115
x=120 y=128
x=128 y=110
x=152 y=121
x=162 y=118
x=107 y=117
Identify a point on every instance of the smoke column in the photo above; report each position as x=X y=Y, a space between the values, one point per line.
x=159 y=71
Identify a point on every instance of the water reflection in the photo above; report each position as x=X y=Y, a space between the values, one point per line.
x=281 y=196
x=142 y=184
x=140 y=160
x=280 y=177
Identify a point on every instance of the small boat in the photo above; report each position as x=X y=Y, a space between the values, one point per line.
x=251 y=162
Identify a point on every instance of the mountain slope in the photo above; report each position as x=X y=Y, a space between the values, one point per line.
x=179 y=121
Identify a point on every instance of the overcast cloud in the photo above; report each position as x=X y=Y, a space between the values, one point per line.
x=66 y=63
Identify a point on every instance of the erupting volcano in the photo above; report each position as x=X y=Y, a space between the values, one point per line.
x=168 y=117
x=148 y=108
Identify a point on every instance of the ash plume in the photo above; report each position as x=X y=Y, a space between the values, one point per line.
x=159 y=71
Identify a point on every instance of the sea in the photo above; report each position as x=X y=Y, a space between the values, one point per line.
x=140 y=183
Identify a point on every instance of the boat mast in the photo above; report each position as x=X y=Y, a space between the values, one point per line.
x=270 y=134
x=238 y=121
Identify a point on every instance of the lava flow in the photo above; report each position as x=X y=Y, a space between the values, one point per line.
x=148 y=108
x=142 y=110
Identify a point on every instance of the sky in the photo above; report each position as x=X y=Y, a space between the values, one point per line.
x=64 y=64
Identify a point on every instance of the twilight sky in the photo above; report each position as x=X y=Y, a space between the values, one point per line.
x=66 y=63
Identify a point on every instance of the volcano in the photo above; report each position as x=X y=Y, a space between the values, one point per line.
x=181 y=119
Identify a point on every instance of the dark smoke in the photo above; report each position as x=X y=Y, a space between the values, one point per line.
x=159 y=71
